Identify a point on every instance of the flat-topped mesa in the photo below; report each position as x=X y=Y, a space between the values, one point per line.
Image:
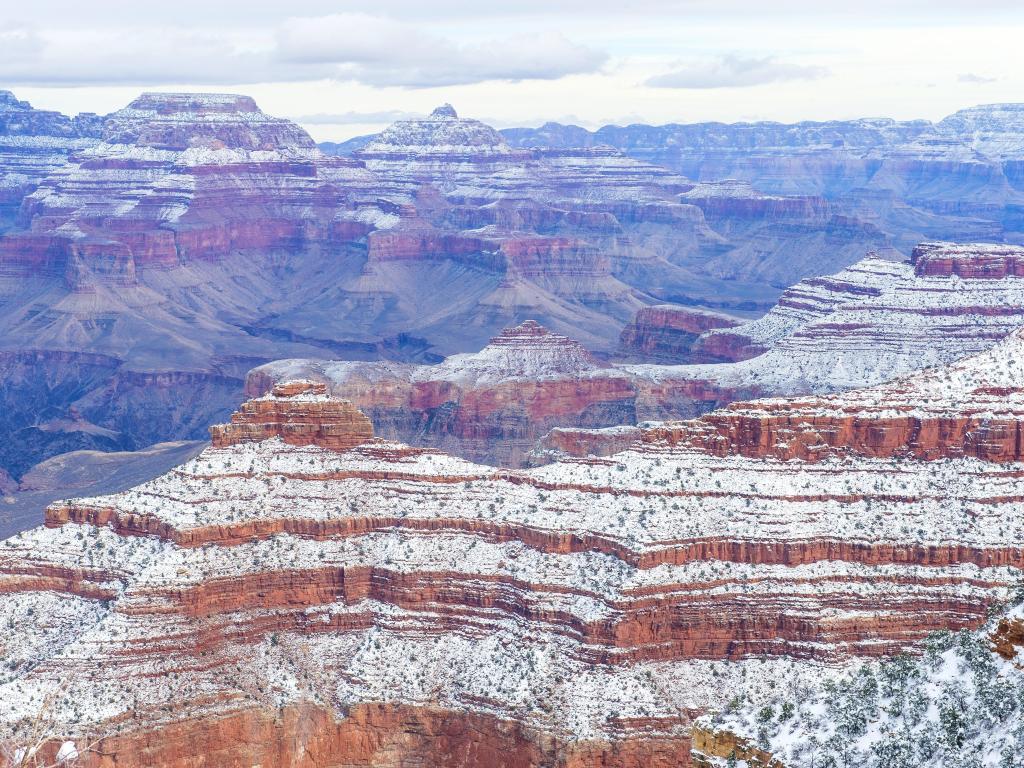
x=978 y=261
x=180 y=121
x=183 y=178
x=300 y=413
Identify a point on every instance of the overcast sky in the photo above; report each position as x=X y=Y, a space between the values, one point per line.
x=345 y=68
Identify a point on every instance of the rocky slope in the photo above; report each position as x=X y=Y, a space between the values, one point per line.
x=666 y=333
x=874 y=321
x=87 y=473
x=135 y=284
x=159 y=253
x=279 y=601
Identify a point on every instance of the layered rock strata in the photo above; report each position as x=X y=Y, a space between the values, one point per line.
x=666 y=333
x=142 y=266
x=872 y=322
x=495 y=404
x=385 y=603
x=877 y=320
x=300 y=413
x=973 y=408
x=33 y=143
x=958 y=179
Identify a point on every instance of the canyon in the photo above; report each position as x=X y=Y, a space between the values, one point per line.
x=532 y=391
x=226 y=238
x=304 y=592
x=466 y=447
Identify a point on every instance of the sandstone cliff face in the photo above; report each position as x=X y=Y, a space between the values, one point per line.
x=494 y=405
x=666 y=334
x=300 y=413
x=972 y=408
x=319 y=597
x=160 y=240
x=226 y=239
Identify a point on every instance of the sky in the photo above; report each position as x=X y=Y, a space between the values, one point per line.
x=347 y=68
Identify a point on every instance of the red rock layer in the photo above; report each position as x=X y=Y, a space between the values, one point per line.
x=495 y=405
x=369 y=736
x=988 y=262
x=792 y=431
x=299 y=413
x=666 y=334
x=232 y=593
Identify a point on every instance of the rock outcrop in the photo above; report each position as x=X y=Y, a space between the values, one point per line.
x=378 y=603
x=874 y=321
x=972 y=408
x=493 y=405
x=179 y=178
x=666 y=333
x=142 y=266
x=300 y=413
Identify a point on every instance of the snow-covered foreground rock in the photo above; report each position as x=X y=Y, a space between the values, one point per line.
x=304 y=594
x=960 y=704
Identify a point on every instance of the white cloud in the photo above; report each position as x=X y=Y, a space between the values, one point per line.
x=732 y=71
x=385 y=52
x=136 y=56
x=359 y=47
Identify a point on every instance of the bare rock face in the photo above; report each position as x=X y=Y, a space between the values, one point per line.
x=666 y=333
x=381 y=604
x=493 y=405
x=300 y=413
x=973 y=262
x=973 y=408
x=182 y=121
